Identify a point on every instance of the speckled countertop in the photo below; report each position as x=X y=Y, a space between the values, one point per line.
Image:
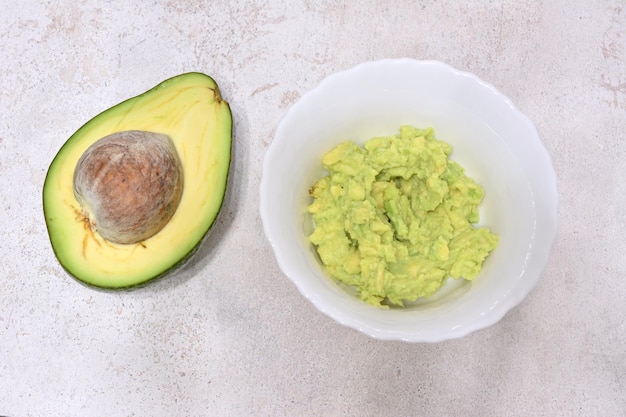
x=231 y=336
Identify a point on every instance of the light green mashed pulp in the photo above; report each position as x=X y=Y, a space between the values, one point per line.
x=395 y=218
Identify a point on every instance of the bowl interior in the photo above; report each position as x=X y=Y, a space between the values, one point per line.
x=490 y=138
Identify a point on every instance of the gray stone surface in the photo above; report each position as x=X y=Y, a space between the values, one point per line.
x=231 y=336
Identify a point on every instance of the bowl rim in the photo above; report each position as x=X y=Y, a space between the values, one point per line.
x=549 y=228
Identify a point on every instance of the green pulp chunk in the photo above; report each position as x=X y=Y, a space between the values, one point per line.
x=395 y=218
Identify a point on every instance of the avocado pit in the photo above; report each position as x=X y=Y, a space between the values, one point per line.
x=129 y=185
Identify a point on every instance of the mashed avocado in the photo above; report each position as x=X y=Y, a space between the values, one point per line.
x=395 y=218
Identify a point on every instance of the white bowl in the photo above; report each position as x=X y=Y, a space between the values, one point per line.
x=498 y=146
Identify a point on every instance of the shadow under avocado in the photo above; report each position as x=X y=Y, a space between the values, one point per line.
x=205 y=251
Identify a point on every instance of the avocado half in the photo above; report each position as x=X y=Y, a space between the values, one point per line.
x=188 y=109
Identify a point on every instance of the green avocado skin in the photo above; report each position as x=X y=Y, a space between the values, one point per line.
x=198 y=97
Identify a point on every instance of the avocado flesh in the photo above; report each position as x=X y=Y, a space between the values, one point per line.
x=189 y=109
